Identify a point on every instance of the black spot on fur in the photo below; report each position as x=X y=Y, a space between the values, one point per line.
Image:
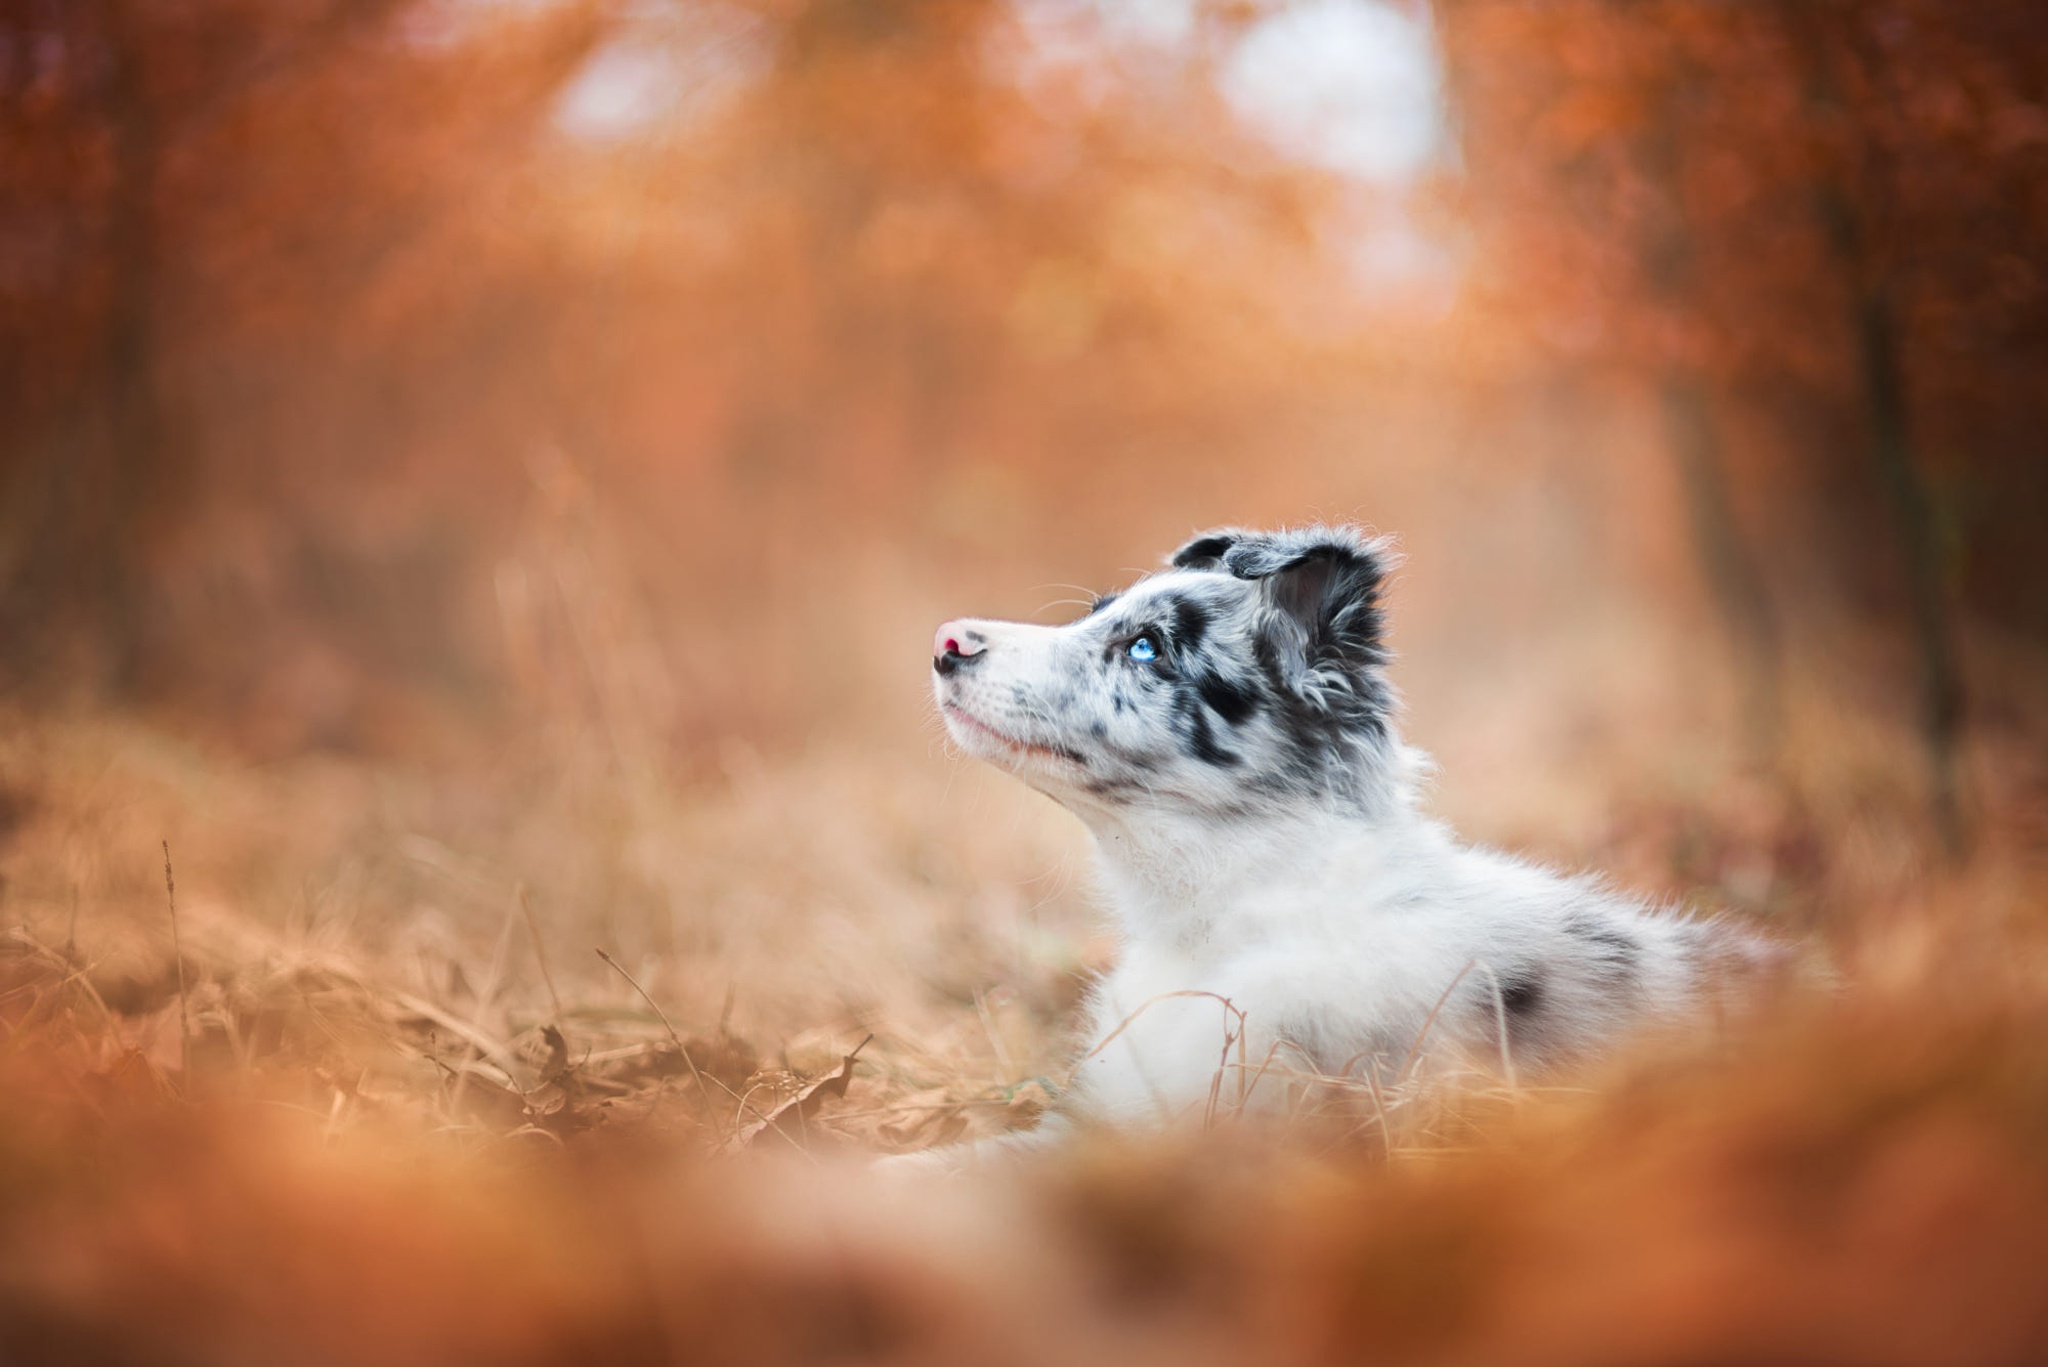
x=1521 y=995
x=1193 y=723
x=1102 y=602
x=1234 y=702
x=1520 y=1007
x=1190 y=624
x=1615 y=951
x=1266 y=654
x=1205 y=552
x=1612 y=941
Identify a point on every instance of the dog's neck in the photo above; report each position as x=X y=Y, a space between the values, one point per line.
x=1180 y=881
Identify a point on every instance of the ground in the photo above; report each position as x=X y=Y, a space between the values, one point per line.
x=543 y=1055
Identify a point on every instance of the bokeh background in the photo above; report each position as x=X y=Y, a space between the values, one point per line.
x=477 y=479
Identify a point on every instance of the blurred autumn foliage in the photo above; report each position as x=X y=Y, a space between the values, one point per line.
x=476 y=481
x=318 y=317
x=310 y=303
x=1817 y=232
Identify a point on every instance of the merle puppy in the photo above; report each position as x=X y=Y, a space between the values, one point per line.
x=1226 y=732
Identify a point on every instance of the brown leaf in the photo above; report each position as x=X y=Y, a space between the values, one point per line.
x=792 y=1116
x=557 y=1068
x=558 y=1103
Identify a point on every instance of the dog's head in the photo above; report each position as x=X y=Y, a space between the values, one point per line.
x=1250 y=672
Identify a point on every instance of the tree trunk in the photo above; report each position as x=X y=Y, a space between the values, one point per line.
x=1880 y=373
x=1668 y=254
x=1941 y=690
x=1731 y=573
x=119 y=478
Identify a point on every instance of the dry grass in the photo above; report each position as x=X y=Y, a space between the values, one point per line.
x=543 y=1059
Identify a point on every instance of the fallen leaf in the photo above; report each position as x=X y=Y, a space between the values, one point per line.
x=792 y=1117
x=555 y=1105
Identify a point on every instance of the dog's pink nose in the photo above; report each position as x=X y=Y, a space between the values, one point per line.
x=953 y=644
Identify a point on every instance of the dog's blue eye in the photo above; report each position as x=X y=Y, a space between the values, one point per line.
x=1143 y=649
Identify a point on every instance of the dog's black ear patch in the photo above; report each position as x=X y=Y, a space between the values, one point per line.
x=1206 y=551
x=1324 y=582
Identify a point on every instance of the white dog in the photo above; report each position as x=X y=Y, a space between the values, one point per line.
x=1225 y=731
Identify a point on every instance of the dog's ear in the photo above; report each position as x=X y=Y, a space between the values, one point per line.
x=1206 y=551
x=1323 y=584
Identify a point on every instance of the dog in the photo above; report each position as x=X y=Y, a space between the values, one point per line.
x=1226 y=732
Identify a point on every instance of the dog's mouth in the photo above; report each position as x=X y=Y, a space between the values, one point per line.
x=981 y=729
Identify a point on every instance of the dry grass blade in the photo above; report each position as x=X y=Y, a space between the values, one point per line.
x=178 y=953
x=703 y=1092
x=1500 y=1022
x=1231 y=1038
x=1429 y=1022
x=474 y=1032
x=1147 y=1005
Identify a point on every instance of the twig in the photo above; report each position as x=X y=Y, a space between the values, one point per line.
x=1379 y=1105
x=74 y=976
x=1223 y=1063
x=540 y=952
x=474 y=1032
x=703 y=1093
x=178 y=952
x=471 y=1033
x=916 y=1107
x=1245 y=1089
x=1147 y=1005
x=1415 y=1049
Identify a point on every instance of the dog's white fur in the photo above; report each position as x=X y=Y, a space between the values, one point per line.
x=1345 y=929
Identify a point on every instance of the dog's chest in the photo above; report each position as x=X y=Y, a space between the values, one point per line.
x=1304 y=965
x=1163 y=1028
